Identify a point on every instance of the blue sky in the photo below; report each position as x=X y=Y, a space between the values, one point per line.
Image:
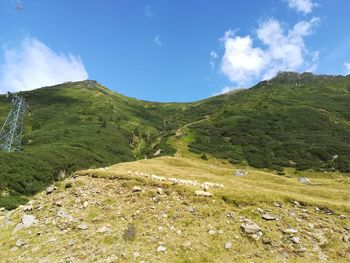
x=164 y=50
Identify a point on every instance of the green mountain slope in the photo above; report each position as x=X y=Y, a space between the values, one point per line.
x=294 y=119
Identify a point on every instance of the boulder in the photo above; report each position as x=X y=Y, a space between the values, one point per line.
x=136 y=189
x=50 y=189
x=250 y=228
x=161 y=249
x=268 y=217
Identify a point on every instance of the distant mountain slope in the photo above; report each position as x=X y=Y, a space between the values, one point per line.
x=300 y=120
x=295 y=119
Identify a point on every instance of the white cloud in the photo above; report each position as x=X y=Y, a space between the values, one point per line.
x=347 y=67
x=304 y=6
x=32 y=65
x=157 y=41
x=213 y=57
x=227 y=89
x=244 y=63
x=149 y=11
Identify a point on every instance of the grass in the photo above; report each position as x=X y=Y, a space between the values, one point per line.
x=159 y=218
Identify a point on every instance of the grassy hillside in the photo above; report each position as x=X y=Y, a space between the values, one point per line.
x=293 y=120
x=297 y=120
x=142 y=211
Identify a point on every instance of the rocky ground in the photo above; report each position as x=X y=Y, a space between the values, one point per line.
x=122 y=215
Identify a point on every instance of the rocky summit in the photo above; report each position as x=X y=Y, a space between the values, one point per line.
x=138 y=212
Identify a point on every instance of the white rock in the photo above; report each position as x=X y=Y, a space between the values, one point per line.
x=104 y=230
x=290 y=231
x=295 y=240
x=83 y=226
x=304 y=180
x=136 y=189
x=268 y=217
x=212 y=232
x=159 y=191
x=228 y=245
x=161 y=249
x=20 y=242
x=250 y=228
x=50 y=189
x=136 y=254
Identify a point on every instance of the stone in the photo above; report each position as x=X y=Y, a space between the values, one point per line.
x=228 y=245
x=136 y=254
x=161 y=249
x=85 y=204
x=203 y=193
x=83 y=226
x=28 y=207
x=50 y=189
x=277 y=204
x=250 y=228
x=290 y=231
x=295 y=240
x=342 y=217
x=159 y=191
x=157 y=153
x=71 y=242
x=345 y=238
x=268 y=217
x=27 y=221
x=20 y=242
x=220 y=232
x=104 y=230
x=212 y=232
x=304 y=180
x=136 y=189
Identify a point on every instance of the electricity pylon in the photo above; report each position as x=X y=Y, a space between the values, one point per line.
x=11 y=131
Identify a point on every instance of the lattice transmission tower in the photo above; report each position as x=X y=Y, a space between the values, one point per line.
x=11 y=131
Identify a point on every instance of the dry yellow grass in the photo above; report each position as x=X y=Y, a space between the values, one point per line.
x=180 y=221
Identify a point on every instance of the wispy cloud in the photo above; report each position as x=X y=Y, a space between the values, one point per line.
x=304 y=6
x=157 y=41
x=243 y=62
x=213 y=57
x=149 y=11
x=347 y=67
x=32 y=65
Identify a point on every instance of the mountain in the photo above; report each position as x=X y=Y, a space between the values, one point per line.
x=293 y=120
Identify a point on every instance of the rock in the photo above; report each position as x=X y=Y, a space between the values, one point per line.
x=266 y=241
x=27 y=221
x=268 y=217
x=260 y=210
x=203 y=193
x=104 y=230
x=159 y=191
x=20 y=242
x=161 y=249
x=136 y=254
x=290 y=231
x=212 y=232
x=342 y=217
x=85 y=204
x=228 y=245
x=28 y=207
x=304 y=180
x=179 y=232
x=250 y=228
x=277 y=204
x=296 y=203
x=191 y=209
x=295 y=240
x=83 y=226
x=50 y=189
x=345 y=238
x=220 y=232
x=157 y=153
x=136 y=189
x=71 y=242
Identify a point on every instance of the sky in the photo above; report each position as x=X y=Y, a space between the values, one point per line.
x=169 y=50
